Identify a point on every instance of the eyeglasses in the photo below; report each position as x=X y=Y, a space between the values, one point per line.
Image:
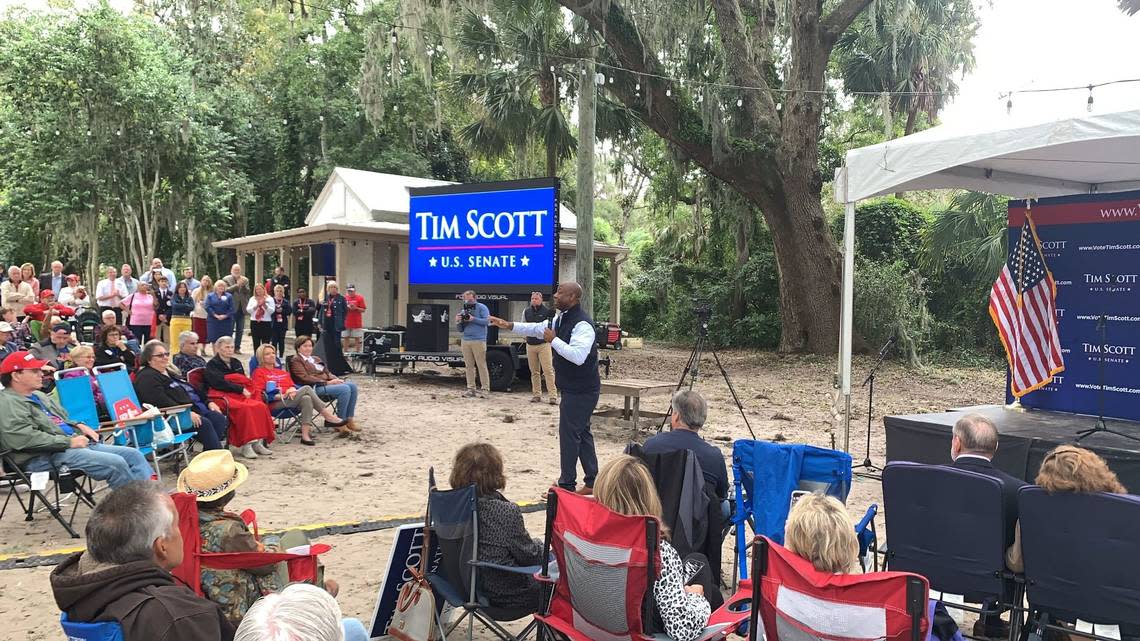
x=160 y=355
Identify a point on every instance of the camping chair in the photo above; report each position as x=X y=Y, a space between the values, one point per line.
x=691 y=509
x=63 y=482
x=331 y=401
x=607 y=564
x=302 y=567
x=948 y=525
x=1082 y=556
x=121 y=402
x=287 y=420
x=90 y=631
x=796 y=602
x=455 y=529
x=764 y=477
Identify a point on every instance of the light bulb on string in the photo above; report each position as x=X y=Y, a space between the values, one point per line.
x=637 y=87
x=118 y=132
x=394 y=38
x=1089 y=104
x=599 y=78
x=88 y=133
x=57 y=132
x=1009 y=105
x=284 y=121
x=740 y=102
x=321 y=118
x=150 y=132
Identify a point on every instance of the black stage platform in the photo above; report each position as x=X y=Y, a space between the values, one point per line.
x=1025 y=438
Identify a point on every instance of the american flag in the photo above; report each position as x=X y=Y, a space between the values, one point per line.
x=1023 y=307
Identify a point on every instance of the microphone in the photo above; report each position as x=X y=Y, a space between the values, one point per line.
x=890 y=342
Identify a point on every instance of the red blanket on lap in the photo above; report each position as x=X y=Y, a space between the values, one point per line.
x=250 y=419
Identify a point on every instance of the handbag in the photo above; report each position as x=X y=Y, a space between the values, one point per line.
x=415 y=616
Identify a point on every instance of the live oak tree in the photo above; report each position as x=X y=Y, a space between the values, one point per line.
x=766 y=148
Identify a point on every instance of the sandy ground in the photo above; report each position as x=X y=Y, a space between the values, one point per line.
x=413 y=422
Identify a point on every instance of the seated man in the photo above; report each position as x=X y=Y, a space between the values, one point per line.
x=108 y=318
x=689 y=413
x=41 y=436
x=7 y=345
x=972 y=447
x=39 y=310
x=133 y=542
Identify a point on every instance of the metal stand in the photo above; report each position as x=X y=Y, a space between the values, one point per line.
x=693 y=365
x=869 y=383
x=1102 y=330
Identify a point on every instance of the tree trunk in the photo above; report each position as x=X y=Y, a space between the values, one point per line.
x=584 y=248
x=743 y=235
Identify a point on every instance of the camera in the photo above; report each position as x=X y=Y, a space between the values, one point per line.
x=465 y=313
x=703 y=310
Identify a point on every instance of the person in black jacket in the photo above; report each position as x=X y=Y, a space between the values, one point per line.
x=332 y=312
x=280 y=316
x=112 y=348
x=539 y=355
x=304 y=310
x=251 y=424
x=162 y=297
x=133 y=542
x=153 y=385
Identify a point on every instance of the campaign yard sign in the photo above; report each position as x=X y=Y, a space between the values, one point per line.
x=490 y=237
x=1091 y=244
x=405 y=555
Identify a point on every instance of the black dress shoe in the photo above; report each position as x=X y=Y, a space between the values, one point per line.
x=337 y=423
x=304 y=442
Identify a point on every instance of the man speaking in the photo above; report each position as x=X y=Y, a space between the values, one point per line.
x=571 y=335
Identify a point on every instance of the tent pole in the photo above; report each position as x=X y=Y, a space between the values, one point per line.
x=848 y=313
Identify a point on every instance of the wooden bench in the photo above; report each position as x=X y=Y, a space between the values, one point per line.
x=633 y=390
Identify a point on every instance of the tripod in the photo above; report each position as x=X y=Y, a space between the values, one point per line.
x=693 y=366
x=1102 y=331
x=869 y=383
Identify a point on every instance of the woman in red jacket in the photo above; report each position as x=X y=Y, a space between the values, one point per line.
x=276 y=383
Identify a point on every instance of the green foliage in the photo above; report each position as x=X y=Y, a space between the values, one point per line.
x=887 y=229
x=890 y=300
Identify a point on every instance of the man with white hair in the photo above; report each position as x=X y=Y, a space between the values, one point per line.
x=689 y=414
x=300 y=611
x=133 y=542
x=54 y=279
x=157 y=269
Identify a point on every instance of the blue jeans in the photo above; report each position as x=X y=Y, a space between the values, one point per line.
x=353 y=630
x=115 y=464
x=212 y=430
x=345 y=395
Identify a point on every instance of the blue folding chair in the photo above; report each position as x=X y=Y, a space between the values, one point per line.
x=118 y=391
x=98 y=631
x=764 y=477
x=948 y=525
x=1082 y=557
x=455 y=529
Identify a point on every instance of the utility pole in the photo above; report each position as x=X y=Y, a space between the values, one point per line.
x=584 y=248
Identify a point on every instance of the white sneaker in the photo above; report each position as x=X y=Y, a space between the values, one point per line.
x=247 y=451
x=260 y=448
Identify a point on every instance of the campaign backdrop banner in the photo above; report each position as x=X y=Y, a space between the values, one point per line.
x=1091 y=244
x=493 y=237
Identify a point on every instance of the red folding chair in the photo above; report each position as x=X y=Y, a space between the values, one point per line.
x=302 y=567
x=607 y=564
x=796 y=602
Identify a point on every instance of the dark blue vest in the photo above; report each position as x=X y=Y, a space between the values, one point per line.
x=576 y=379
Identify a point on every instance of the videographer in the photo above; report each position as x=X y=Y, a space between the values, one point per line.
x=539 y=355
x=472 y=320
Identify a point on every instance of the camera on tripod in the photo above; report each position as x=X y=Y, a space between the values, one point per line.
x=703 y=309
x=465 y=313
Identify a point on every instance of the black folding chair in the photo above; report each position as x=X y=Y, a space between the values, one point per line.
x=948 y=525
x=455 y=527
x=1082 y=560
x=63 y=482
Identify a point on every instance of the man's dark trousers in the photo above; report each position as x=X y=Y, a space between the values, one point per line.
x=575 y=441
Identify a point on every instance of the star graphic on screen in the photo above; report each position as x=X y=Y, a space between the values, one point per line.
x=432 y=262
x=525 y=260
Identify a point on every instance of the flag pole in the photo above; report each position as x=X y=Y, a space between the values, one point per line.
x=1016 y=405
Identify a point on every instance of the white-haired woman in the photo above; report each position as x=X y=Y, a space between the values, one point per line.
x=251 y=425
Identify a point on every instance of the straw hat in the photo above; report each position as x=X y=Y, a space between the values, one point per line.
x=212 y=475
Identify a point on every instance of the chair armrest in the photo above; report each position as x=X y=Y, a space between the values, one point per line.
x=513 y=569
x=174 y=409
x=126 y=423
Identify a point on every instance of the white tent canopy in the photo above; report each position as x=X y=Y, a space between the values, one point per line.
x=1097 y=153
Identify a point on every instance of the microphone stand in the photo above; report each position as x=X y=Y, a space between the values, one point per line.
x=1102 y=332
x=869 y=383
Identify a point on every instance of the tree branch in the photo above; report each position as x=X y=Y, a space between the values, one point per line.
x=835 y=23
x=761 y=107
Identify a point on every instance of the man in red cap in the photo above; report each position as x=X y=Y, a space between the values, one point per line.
x=42 y=437
x=38 y=310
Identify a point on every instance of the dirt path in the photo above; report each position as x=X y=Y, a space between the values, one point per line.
x=413 y=422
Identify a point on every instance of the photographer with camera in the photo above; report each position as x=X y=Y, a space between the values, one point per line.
x=472 y=321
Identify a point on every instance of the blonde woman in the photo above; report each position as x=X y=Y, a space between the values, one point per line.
x=199 y=315
x=820 y=531
x=28 y=275
x=625 y=486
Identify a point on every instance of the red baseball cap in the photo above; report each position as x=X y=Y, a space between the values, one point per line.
x=45 y=293
x=20 y=360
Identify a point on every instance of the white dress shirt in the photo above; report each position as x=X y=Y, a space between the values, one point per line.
x=581 y=338
x=107 y=287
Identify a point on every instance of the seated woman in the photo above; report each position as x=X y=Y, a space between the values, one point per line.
x=154 y=385
x=251 y=425
x=213 y=477
x=503 y=538
x=288 y=395
x=307 y=369
x=625 y=486
x=820 y=530
x=111 y=348
x=300 y=611
x=187 y=357
x=1067 y=468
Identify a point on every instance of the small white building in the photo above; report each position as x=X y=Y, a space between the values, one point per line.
x=363 y=216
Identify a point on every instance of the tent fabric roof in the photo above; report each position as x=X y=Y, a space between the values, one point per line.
x=1021 y=159
x=388 y=193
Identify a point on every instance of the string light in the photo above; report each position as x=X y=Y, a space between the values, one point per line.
x=1009 y=105
x=1089 y=104
x=740 y=102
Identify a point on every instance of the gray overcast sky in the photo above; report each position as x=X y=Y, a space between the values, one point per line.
x=1024 y=44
